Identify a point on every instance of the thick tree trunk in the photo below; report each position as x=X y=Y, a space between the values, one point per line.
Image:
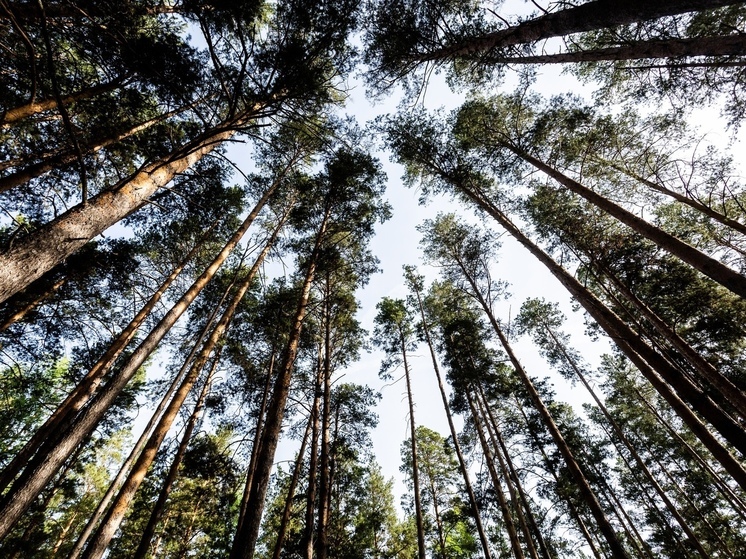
x=639 y=353
x=115 y=515
x=729 y=45
x=456 y=445
x=598 y=14
x=247 y=532
x=61 y=158
x=287 y=509
x=708 y=266
x=52 y=455
x=617 y=549
x=419 y=519
x=29 y=109
x=87 y=386
x=515 y=544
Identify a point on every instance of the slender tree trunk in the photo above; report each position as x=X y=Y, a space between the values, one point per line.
x=52 y=455
x=20 y=313
x=638 y=352
x=415 y=469
x=126 y=468
x=64 y=157
x=115 y=515
x=287 y=509
x=513 y=473
x=26 y=110
x=570 y=506
x=325 y=482
x=598 y=14
x=87 y=386
x=173 y=471
x=515 y=544
x=307 y=544
x=457 y=446
x=247 y=532
x=729 y=45
x=527 y=537
x=630 y=447
x=708 y=266
x=617 y=549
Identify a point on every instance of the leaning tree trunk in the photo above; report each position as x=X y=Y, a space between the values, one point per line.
x=639 y=353
x=708 y=266
x=87 y=386
x=49 y=458
x=599 y=14
x=20 y=311
x=247 y=532
x=115 y=515
x=457 y=446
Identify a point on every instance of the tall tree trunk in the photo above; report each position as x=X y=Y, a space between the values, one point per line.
x=15 y=114
x=116 y=512
x=456 y=445
x=63 y=157
x=247 y=532
x=515 y=544
x=287 y=509
x=415 y=470
x=513 y=474
x=729 y=45
x=53 y=453
x=173 y=471
x=325 y=482
x=598 y=14
x=527 y=536
x=307 y=543
x=126 y=467
x=87 y=386
x=628 y=444
x=708 y=266
x=638 y=352
x=617 y=549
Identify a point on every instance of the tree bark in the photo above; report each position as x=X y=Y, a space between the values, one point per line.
x=307 y=544
x=21 y=312
x=325 y=488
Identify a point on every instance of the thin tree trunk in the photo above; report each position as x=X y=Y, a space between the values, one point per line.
x=52 y=455
x=617 y=549
x=126 y=467
x=307 y=544
x=639 y=353
x=515 y=544
x=415 y=469
x=173 y=471
x=527 y=537
x=708 y=266
x=729 y=45
x=599 y=14
x=116 y=512
x=35 y=107
x=325 y=487
x=87 y=386
x=287 y=509
x=513 y=473
x=630 y=447
x=456 y=445
x=247 y=532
